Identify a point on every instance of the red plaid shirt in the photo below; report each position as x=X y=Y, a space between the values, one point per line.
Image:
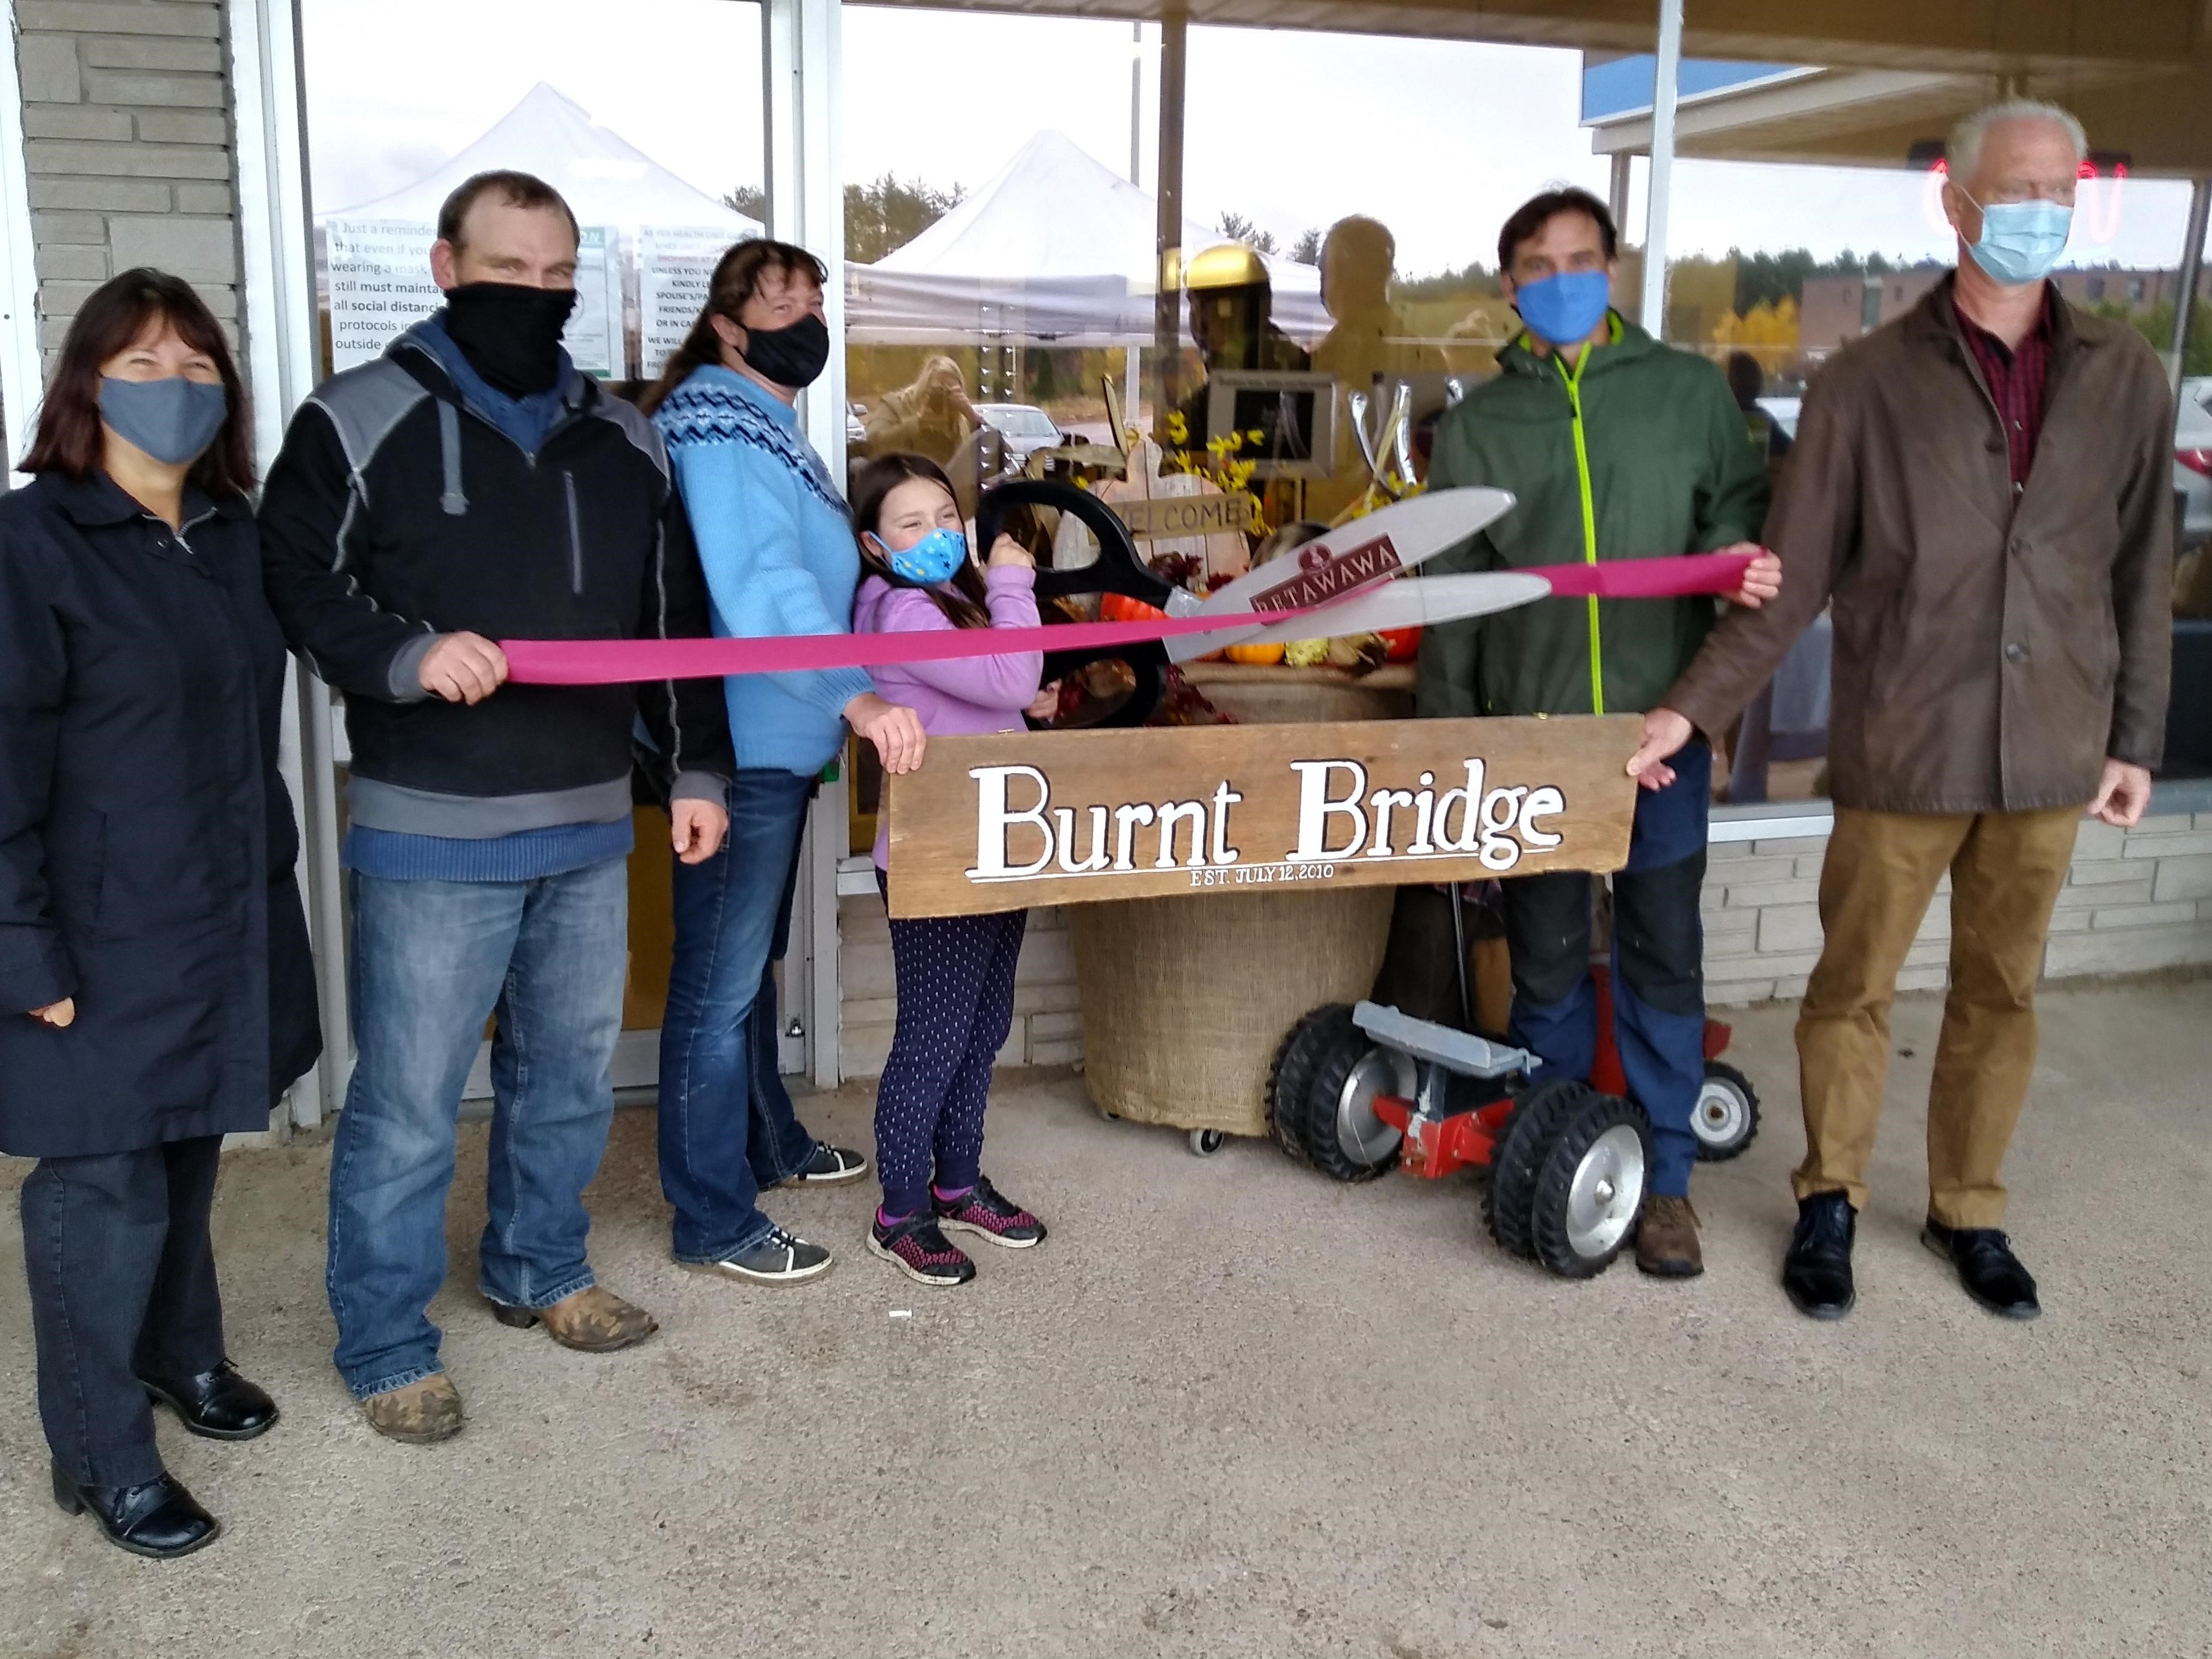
x=2018 y=379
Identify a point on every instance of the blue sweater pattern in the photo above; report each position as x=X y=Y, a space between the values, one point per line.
x=775 y=540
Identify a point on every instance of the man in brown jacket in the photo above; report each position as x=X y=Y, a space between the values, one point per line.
x=1981 y=490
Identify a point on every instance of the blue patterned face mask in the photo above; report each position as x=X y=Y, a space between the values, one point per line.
x=936 y=557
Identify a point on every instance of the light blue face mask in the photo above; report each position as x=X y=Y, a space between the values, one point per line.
x=172 y=420
x=936 y=557
x=2020 y=241
x=1564 y=309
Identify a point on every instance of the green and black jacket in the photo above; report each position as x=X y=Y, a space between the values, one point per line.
x=1638 y=453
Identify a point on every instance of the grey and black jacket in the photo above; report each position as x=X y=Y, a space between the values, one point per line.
x=396 y=512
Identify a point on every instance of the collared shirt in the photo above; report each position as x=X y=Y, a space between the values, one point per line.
x=2018 y=379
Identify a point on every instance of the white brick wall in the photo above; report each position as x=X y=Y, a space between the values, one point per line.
x=2135 y=900
x=127 y=139
x=1048 y=1019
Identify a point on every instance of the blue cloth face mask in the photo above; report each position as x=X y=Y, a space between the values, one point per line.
x=936 y=557
x=1564 y=309
x=2020 y=241
x=173 y=420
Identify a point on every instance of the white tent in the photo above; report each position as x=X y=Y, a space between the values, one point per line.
x=1055 y=249
x=605 y=178
x=650 y=240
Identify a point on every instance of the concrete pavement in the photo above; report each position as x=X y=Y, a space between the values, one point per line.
x=1229 y=1409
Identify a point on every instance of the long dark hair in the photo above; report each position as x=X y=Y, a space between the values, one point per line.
x=68 y=439
x=968 y=606
x=736 y=280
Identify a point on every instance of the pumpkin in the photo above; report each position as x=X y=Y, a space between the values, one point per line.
x=1120 y=607
x=1405 y=643
x=1255 y=654
x=1306 y=654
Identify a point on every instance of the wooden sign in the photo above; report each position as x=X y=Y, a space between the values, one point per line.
x=1158 y=517
x=1066 y=817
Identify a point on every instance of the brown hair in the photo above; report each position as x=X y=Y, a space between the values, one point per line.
x=968 y=604
x=1530 y=219
x=69 y=438
x=737 y=278
x=522 y=190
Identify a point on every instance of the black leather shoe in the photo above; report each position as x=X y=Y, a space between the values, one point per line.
x=219 y=1404
x=160 y=1519
x=1816 y=1271
x=1987 y=1267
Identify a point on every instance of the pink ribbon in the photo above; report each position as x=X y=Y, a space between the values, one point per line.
x=614 y=662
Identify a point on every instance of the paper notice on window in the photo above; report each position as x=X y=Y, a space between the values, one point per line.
x=675 y=265
x=380 y=287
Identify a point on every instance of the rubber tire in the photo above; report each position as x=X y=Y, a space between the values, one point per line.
x=1290 y=1077
x=1316 y=1125
x=1577 y=1132
x=1204 y=1143
x=1507 y=1200
x=1713 y=1151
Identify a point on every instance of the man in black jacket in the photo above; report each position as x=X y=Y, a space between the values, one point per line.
x=469 y=486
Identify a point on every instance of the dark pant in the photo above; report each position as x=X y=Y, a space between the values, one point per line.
x=956 y=1004
x=1658 y=967
x=122 y=1286
x=728 y=1125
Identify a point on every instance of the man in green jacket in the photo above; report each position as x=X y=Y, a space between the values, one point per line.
x=1616 y=447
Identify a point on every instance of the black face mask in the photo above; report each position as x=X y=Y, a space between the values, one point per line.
x=794 y=355
x=510 y=334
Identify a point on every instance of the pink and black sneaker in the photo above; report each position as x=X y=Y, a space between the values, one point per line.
x=918 y=1249
x=986 y=1211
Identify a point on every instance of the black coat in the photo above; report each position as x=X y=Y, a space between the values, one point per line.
x=147 y=841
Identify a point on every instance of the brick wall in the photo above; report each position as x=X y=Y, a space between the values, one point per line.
x=1048 y=1023
x=126 y=126
x=2135 y=900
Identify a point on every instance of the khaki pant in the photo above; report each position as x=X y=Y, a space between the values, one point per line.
x=1881 y=872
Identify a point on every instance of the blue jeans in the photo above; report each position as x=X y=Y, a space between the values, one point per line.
x=728 y=1125
x=1658 y=966
x=432 y=960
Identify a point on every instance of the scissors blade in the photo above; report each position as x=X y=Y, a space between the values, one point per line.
x=1415 y=604
x=1353 y=556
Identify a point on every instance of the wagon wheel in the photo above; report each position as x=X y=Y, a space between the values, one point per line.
x=1291 y=1074
x=1515 y=1156
x=1590 y=1186
x=1341 y=1135
x=1726 y=1114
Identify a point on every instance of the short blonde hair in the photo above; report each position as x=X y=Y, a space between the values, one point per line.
x=1963 y=154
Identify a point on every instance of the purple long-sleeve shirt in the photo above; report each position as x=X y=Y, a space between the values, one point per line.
x=966 y=696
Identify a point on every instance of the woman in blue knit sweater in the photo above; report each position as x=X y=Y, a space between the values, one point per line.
x=776 y=544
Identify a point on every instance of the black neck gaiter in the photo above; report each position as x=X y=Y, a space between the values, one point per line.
x=510 y=334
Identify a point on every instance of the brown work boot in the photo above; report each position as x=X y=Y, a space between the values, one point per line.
x=593 y=1320
x=421 y=1414
x=1666 y=1239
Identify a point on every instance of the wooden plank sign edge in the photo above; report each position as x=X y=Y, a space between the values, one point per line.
x=1030 y=818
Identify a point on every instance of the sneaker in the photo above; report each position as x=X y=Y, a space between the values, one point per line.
x=918 y=1249
x=831 y=1165
x=779 y=1259
x=985 y=1211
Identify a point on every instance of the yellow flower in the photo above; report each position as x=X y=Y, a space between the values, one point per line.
x=1178 y=427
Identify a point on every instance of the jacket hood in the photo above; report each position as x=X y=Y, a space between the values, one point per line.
x=421 y=350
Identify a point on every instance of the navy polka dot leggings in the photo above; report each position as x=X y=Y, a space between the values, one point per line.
x=956 y=1004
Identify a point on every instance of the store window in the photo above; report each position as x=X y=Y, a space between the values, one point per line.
x=1004 y=308
x=1836 y=228
x=648 y=121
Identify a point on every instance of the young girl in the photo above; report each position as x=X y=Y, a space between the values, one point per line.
x=956 y=974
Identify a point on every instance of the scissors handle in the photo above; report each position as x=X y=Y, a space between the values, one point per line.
x=1116 y=570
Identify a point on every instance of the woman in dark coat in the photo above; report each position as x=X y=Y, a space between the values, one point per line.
x=155 y=989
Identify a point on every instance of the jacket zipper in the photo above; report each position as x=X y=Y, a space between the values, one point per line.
x=1574 y=383
x=575 y=536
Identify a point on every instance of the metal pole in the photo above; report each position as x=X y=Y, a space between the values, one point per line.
x=1653 y=317
x=1132 y=355
x=1167 y=307
x=2185 y=297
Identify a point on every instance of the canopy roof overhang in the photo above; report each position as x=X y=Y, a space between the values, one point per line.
x=1896 y=72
